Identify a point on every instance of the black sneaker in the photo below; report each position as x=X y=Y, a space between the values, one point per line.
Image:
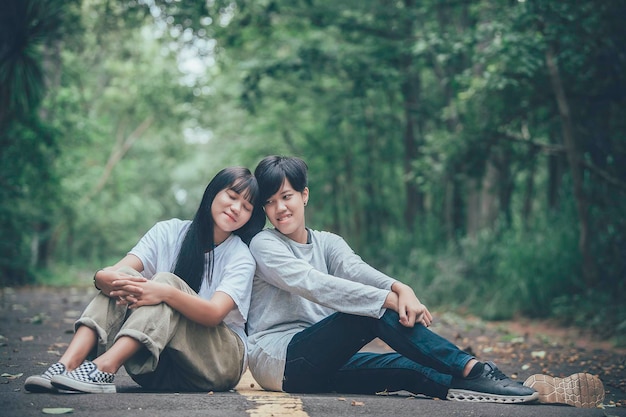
x=491 y=386
x=578 y=390
x=86 y=378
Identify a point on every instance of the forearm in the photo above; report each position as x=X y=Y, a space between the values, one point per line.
x=103 y=278
x=401 y=288
x=205 y=312
x=391 y=302
x=398 y=289
x=409 y=307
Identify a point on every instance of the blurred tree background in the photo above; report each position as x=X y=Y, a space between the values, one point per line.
x=474 y=149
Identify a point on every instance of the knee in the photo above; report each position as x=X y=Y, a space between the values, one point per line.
x=166 y=278
x=390 y=316
x=175 y=281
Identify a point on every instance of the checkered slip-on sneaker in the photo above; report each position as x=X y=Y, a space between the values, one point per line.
x=578 y=390
x=42 y=383
x=86 y=378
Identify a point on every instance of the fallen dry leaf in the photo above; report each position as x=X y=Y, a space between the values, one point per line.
x=58 y=410
x=12 y=376
x=38 y=318
x=540 y=354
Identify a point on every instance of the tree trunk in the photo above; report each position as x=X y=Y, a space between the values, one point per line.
x=410 y=90
x=529 y=189
x=555 y=172
x=448 y=209
x=44 y=240
x=489 y=198
x=414 y=197
x=574 y=158
x=472 y=207
x=506 y=186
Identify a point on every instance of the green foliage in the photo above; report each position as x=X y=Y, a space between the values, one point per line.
x=582 y=310
x=431 y=129
x=66 y=275
x=28 y=145
x=499 y=275
x=27 y=26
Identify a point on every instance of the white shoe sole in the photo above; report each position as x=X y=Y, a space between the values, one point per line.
x=578 y=390
x=67 y=383
x=482 y=397
x=38 y=383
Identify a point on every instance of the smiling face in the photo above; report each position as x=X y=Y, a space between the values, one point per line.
x=230 y=211
x=285 y=210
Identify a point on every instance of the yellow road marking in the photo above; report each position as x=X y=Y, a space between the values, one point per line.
x=269 y=403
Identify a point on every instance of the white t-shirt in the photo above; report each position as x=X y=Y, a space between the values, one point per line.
x=233 y=267
x=297 y=285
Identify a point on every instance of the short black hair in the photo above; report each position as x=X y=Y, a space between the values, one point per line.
x=271 y=172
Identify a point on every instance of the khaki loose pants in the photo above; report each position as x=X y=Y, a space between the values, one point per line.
x=178 y=354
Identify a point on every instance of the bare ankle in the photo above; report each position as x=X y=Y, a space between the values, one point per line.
x=468 y=367
x=106 y=366
x=70 y=364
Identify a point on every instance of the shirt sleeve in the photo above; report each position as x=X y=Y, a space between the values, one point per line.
x=343 y=262
x=157 y=249
x=277 y=265
x=237 y=279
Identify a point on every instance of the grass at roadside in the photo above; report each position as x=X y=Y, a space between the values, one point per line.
x=66 y=275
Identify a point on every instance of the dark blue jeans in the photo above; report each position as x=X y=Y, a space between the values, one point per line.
x=325 y=358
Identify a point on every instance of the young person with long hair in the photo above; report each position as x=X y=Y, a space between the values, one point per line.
x=173 y=310
x=327 y=303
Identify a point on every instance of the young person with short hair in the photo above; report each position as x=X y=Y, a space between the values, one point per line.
x=315 y=304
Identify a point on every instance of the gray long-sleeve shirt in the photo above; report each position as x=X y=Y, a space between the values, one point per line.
x=297 y=285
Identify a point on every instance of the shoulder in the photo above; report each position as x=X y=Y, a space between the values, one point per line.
x=331 y=244
x=168 y=232
x=265 y=237
x=234 y=244
x=235 y=248
x=324 y=235
x=326 y=238
x=270 y=243
x=171 y=225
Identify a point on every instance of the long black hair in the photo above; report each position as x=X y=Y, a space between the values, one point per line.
x=199 y=237
x=272 y=171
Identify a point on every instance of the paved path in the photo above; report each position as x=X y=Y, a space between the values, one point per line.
x=36 y=325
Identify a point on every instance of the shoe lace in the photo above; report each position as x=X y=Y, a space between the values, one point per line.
x=496 y=374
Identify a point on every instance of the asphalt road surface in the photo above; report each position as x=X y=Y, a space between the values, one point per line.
x=36 y=325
